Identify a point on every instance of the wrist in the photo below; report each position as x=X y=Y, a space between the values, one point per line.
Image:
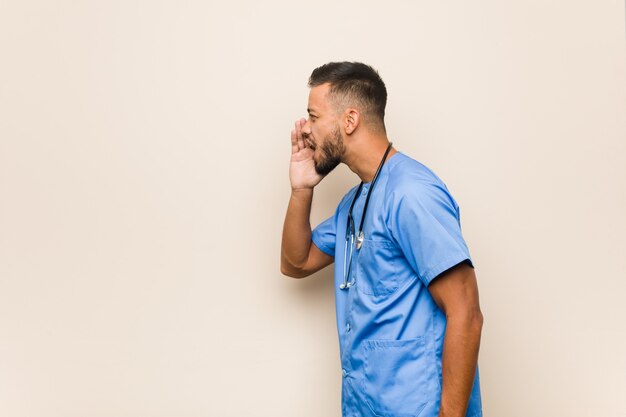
x=301 y=190
x=450 y=413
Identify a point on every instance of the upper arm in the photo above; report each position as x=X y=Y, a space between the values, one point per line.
x=322 y=250
x=456 y=291
x=316 y=261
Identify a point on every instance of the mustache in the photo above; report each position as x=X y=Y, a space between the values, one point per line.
x=309 y=142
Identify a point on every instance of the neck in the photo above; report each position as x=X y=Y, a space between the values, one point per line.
x=364 y=157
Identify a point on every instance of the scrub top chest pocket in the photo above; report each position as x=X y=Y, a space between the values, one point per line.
x=376 y=270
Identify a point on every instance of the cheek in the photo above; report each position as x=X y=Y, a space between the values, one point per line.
x=319 y=129
x=319 y=133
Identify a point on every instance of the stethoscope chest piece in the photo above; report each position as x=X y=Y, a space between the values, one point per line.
x=359 y=240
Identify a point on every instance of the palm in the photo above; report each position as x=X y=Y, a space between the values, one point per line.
x=302 y=173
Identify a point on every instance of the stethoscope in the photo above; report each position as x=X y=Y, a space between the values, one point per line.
x=350 y=236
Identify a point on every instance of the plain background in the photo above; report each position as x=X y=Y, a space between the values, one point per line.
x=144 y=151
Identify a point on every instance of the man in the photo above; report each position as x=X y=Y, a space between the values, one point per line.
x=408 y=315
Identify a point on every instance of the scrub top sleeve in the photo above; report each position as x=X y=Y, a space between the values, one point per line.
x=424 y=221
x=324 y=236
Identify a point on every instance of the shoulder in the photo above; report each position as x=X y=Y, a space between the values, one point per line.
x=411 y=179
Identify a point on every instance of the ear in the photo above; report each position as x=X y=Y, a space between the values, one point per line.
x=351 y=120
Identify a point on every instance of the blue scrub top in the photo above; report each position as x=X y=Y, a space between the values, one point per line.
x=390 y=329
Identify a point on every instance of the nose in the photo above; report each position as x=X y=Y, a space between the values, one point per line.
x=306 y=128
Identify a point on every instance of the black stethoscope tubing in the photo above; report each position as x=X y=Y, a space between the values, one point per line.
x=350 y=225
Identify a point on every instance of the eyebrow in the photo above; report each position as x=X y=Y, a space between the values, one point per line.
x=310 y=111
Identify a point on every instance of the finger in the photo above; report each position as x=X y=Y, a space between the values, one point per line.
x=294 y=142
x=306 y=136
x=299 y=134
x=295 y=137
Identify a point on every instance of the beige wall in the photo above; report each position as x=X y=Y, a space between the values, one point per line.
x=143 y=183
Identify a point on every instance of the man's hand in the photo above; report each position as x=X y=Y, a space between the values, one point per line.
x=302 y=172
x=299 y=256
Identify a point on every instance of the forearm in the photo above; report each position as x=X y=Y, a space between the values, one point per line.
x=459 y=361
x=296 y=240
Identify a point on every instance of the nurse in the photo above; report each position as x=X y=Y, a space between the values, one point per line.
x=408 y=314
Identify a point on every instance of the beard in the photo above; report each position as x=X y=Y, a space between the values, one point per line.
x=332 y=151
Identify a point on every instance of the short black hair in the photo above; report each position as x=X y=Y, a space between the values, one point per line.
x=354 y=82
